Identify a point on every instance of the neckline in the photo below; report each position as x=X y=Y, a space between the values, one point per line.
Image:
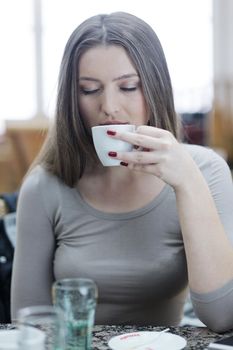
x=124 y=215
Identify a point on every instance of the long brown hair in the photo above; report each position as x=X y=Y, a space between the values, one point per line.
x=69 y=145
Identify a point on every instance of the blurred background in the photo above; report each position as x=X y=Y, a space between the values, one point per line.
x=197 y=39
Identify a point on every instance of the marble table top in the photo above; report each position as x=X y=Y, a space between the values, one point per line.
x=197 y=338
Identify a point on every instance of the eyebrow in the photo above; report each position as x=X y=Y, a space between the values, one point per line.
x=124 y=76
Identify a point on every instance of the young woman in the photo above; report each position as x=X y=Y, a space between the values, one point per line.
x=145 y=230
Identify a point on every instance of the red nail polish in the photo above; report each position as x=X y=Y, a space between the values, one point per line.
x=111 y=133
x=123 y=163
x=112 y=154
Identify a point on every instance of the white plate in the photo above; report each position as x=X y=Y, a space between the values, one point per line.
x=9 y=339
x=144 y=341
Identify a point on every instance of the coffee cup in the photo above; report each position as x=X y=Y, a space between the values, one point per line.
x=104 y=143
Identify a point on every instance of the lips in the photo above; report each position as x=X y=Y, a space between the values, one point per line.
x=114 y=122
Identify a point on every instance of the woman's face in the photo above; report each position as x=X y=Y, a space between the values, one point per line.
x=110 y=88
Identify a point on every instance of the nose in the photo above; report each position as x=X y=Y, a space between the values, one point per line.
x=110 y=104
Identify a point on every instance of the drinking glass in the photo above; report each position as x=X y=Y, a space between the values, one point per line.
x=76 y=298
x=46 y=319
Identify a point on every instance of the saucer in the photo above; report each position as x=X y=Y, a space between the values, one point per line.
x=147 y=341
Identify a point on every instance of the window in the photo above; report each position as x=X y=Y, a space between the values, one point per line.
x=33 y=42
x=17 y=61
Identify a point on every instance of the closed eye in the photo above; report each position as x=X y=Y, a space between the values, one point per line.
x=128 y=89
x=88 y=92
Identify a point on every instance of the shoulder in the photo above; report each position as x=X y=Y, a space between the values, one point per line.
x=37 y=179
x=40 y=189
x=201 y=153
x=204 y=156
x=209 y=161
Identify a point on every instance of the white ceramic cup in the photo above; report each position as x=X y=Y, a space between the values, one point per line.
x=104 y=143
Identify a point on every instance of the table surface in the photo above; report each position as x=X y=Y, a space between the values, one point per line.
x=197 y=337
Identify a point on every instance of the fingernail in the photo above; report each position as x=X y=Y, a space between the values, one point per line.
x=111 y=133
x=123 y=163
x=112 y=154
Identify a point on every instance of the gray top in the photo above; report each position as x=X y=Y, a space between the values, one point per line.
x=137 y=258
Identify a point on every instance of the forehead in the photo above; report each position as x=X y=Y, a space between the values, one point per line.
x=106 y=60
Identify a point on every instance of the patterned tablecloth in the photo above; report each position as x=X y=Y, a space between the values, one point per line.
x=197 y=337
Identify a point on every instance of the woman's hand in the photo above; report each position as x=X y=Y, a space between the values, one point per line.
x=159 y=153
